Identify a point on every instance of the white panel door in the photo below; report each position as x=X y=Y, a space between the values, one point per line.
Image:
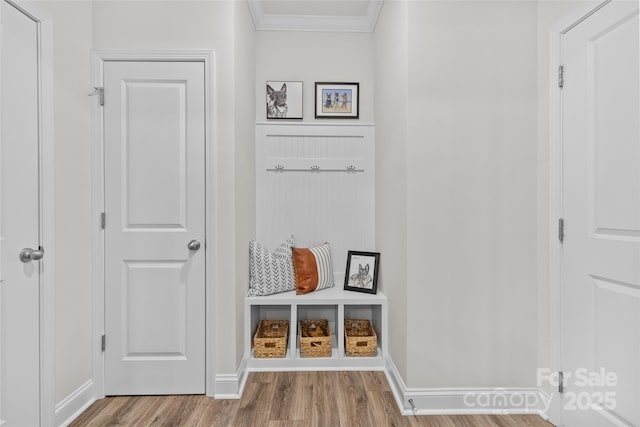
x=154 y=133
x=19 y=281
x=601 y=192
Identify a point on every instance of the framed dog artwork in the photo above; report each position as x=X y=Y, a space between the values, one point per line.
x=284 y=100
x=362 y=272
x=337 y=100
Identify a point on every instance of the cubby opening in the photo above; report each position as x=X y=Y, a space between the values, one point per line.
x=372 y=313
x=269 y=312
x=328 y=312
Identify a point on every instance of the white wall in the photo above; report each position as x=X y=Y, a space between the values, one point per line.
x=470 y=190
x=72 y=41
x=471 y=194
x=245 y=116
x=391 y=89
x=315 y=56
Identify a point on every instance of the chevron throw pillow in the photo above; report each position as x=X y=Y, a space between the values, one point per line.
x=270 y=272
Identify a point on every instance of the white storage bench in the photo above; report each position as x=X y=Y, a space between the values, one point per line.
x=333 y=304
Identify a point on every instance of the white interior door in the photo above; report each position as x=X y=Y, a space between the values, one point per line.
x=154 y=136
x=19 y=281
x=601 y=192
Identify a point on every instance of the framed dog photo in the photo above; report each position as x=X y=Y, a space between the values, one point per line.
x=362 y=272
x=284 y=100
x=337 y=100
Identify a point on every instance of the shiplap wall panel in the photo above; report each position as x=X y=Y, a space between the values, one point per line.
x=316 y=182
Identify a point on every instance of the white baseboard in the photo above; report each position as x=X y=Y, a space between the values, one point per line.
x=230 y=386
x=459 y=401
x=69 y=408
x=396 y=383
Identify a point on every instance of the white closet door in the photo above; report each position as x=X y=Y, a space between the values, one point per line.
x=19 y=281
x=154 y=119
x=601 y=251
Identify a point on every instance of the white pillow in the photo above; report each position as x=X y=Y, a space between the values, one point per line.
x=271 y=273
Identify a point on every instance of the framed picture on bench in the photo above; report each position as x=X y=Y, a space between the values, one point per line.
x=362 y=272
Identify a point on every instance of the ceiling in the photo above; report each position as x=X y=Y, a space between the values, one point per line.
x=315 y=15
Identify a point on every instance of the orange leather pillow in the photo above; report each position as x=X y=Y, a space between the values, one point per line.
x=304 y=264
x=312 y=267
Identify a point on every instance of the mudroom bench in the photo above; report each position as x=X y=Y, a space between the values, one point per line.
x=335 y=305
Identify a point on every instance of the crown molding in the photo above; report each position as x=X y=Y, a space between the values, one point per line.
x=358 y=24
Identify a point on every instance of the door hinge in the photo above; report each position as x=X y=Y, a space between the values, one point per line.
x=104 y=343
x=561 y=230
x=560 y=382
x=97 y=90
x=103 y=220
x=561 y=76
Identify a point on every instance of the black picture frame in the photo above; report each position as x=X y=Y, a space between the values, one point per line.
x=335 y=100
x=362 y=272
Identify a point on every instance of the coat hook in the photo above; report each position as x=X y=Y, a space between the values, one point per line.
x=315 y=168
x=279 y=167
x=351 y=168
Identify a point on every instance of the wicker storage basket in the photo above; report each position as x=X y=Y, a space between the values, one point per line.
x=360 y=338
x=315 y=338
x=271 y=338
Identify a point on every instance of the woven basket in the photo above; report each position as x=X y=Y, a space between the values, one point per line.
x=270 y=340
x=360 y=338
x=315 y=338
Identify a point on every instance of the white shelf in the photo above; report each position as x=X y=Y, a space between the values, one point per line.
x=335 y=362
x=333 y=304
x=333 y=295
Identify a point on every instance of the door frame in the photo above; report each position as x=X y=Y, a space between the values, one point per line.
x=556 y=196
x=46 y=170
x=98 y=58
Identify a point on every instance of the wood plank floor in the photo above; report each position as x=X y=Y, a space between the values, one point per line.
x=292 y=399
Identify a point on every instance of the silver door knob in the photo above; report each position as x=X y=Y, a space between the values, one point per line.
x=193 y=245
x=28 y=254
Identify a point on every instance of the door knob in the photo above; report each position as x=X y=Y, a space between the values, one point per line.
x=28 y=254
x=193 y=245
